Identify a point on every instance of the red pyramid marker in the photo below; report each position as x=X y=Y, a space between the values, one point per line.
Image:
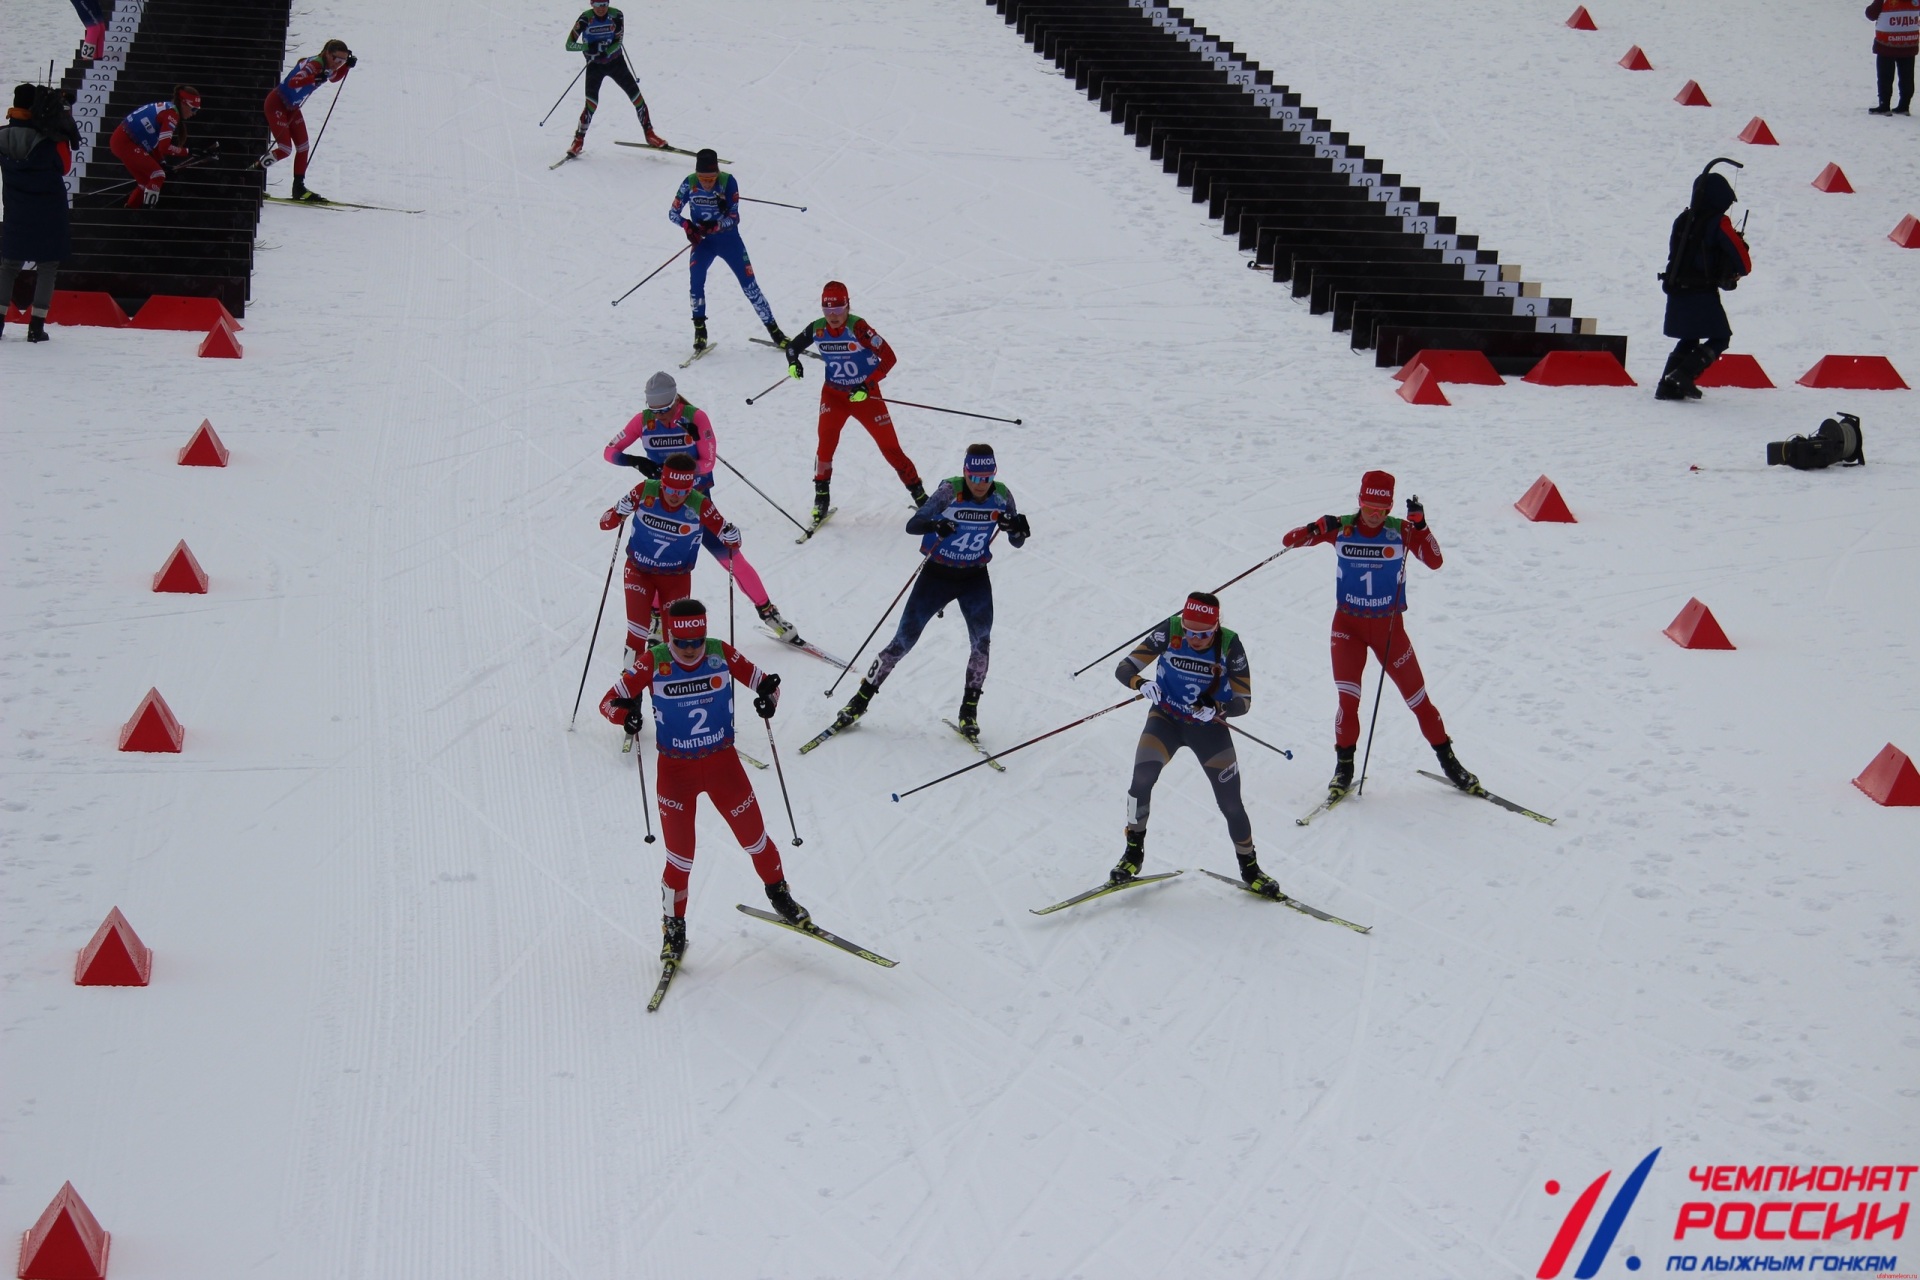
x=173 y=311
x=1758 y=134
x=115 y=958
x=1636 y=60
x=1579 y=369
x=1735 y=371
x=1692 y=95
x=220 y=343
x=1544 y=505
x=1696 y=628
x=67 y=1243
x=153 y=727
x=205 y=449
x=1582 y=20
x=1891 y=779
x=1833 y=181
x=1854 y=373
x=1423 y=388
x=1907 y=234
x=181 y=573
x=1453 y=366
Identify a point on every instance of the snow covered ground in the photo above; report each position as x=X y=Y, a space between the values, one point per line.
x=405 y=923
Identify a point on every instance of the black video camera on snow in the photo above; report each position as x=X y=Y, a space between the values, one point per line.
x=1838 y=440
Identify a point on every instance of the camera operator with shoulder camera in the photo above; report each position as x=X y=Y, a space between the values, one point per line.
x=36 y=151
x=1705 y=254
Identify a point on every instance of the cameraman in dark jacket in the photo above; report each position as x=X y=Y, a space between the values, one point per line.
x=1704 y=255
x=36 y=151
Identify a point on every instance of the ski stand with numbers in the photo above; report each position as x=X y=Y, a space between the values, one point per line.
x=991 y=762
x=1485 y=794
x=805 y=646
x=812 y=930
x=1102 y=891
x=813 y=527
x=678 y=151
x=1295 y=903
x=667 y=969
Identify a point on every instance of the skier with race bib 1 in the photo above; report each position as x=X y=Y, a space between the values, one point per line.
x=1370 y=600
x=692 y=678
x=1201 y=677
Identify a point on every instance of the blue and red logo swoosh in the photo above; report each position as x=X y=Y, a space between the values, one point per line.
x=1603 y=1236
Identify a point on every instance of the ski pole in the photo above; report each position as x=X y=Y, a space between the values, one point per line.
x=1262 y=741
x=1378 y=689
x=651 y=274
x=876 y=630
x=757 y=489
x=598 y=614
x=962 y=413
x=898 y=796
x=778 y=204
x=563 y=95
x=730 y=585
x=192 y=162
x=781 y=774
x=339 y=87
x=646 y=801
x=1216 y=591
x=785 y=378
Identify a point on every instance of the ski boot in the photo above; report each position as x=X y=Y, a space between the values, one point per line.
x=1129 y=865
x=1342 y=781
x=699 y=333
x=1880 y=109
x=655 y=140
x=774 y=335
x=579 y=144
x=821 y=495
x=782 y=899
x=970 y=715
x=36 y=329
x=673 y=937
x=300 y=192
x=918 y=493
x=856 y=705
x=1253 y=877
x=780 y=627
x=266 y=161
x=1456 y=772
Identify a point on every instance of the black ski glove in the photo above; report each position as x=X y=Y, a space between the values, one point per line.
x=766 y=696
x=945 y=527
x=1016 y=526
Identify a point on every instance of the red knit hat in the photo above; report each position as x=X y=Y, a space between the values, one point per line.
x=833 y=294
x=1376 y=489
x=686 y=620
x=1201 y=612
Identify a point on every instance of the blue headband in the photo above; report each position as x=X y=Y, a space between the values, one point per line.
x=981 y=464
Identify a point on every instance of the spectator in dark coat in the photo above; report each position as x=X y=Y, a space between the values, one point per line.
x=1896 y=41
x=33 y=165
x=1704 y=255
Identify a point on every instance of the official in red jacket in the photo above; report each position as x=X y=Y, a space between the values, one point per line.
x=1896 y=39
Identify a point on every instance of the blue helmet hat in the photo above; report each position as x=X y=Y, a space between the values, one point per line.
x=980 y=463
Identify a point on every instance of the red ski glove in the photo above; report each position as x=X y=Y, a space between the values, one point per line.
x=611 y=518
